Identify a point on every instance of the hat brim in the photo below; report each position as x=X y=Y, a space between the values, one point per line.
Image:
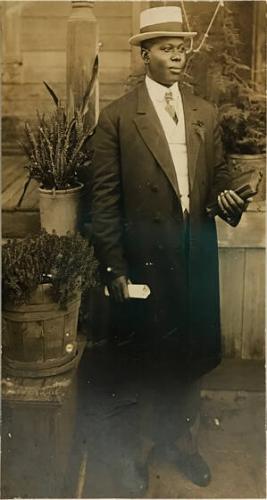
x=137 y=39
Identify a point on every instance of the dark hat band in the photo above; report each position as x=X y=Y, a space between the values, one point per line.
x=172 y=26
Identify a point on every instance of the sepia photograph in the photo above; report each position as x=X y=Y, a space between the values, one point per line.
x=133 y=169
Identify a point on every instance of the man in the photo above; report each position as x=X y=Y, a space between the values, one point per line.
x=158 y=163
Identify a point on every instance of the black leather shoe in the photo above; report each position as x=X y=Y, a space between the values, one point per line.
x=195 y=468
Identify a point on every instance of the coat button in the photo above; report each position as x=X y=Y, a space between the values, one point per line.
x=157 y=218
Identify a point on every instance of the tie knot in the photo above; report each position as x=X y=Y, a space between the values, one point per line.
x=168 y=96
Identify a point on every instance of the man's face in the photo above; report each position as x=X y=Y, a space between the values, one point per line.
x=165 y=59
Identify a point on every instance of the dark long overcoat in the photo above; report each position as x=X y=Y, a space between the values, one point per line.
x=138 y=225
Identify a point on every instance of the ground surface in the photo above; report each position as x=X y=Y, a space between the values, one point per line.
x=87 y=447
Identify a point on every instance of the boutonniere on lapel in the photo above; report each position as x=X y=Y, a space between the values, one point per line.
x=199 y=128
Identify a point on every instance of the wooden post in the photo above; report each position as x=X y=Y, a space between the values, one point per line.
x=259 y=45
x=12 y=72
x=82 y=46
x=10 y=34
x=136 y=60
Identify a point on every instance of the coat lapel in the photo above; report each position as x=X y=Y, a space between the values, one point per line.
x=193 y=135
x=151 y=130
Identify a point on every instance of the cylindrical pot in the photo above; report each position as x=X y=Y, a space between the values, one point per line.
x=243 y=163
x=60 y=209
x=39 y=338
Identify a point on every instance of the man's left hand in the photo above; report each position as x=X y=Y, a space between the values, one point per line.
x=232 y=206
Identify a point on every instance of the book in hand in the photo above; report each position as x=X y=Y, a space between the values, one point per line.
x=246 y=185
x=135 y=291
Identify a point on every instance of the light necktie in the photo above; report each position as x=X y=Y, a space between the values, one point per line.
x=170 y=107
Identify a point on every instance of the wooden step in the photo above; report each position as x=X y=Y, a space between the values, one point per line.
x=18 y=222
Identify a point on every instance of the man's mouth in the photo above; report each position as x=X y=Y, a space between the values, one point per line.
x=175 y=69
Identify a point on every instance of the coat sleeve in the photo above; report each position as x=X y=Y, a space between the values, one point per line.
x=107 y=199
x=222 y=174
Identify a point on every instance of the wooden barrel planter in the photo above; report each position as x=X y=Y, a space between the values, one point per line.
x=39 y=338
x=243 y=163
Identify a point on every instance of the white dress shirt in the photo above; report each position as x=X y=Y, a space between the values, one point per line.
x=175 y=133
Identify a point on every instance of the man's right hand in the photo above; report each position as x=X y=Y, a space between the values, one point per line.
x=118 y=289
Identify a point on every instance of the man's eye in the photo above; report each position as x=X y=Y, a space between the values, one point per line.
x=166 y=49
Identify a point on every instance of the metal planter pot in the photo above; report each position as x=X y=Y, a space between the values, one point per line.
x=60 y=209
x=243 y=163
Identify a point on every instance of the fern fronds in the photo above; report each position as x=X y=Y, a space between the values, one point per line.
x=56 y=150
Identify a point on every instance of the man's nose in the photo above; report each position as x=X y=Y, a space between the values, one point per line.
x=176 y=56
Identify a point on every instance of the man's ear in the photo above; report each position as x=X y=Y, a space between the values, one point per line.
x=145 y=54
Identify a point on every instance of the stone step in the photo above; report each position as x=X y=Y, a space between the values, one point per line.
x=236 y=376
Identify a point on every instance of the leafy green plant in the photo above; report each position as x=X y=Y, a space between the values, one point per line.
x=57 y=150
x=241 y=105
x=244 y=125
x=66 y=262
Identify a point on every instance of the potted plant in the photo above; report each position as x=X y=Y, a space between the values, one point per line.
x=58 y=158
x=42 y=281
x=241 y=103
x=243 y=127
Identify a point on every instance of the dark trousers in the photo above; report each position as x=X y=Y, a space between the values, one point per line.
x=149 y=355
x=167 y=399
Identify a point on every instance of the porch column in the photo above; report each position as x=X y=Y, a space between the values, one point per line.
x=259 y=45
x=136 y=60
x=82 y=46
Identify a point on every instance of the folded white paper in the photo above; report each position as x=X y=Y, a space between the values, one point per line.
x=135 y=291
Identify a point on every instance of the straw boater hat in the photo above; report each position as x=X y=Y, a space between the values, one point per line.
x=161 y=21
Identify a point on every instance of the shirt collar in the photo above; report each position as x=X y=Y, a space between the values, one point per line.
x=157 y=91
